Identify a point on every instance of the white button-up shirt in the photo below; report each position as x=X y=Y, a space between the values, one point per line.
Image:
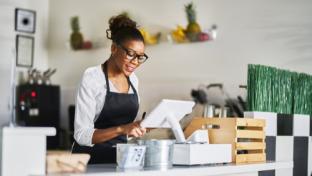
x=90 y=101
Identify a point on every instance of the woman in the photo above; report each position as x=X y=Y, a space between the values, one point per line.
x=107 y=101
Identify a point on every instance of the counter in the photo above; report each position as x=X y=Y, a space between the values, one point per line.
x=23 y=150
x=203 y=170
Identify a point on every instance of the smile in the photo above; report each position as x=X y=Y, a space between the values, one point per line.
x=129 y=68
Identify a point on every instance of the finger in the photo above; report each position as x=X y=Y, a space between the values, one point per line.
x=134 y=133
x=139 y=132
x=143 y=130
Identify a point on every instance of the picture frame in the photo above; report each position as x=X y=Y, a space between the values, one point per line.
x=24 y=51
x=25 y=20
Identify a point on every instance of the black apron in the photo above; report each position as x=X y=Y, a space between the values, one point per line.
x=118 y=109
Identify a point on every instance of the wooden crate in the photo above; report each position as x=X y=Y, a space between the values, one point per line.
x=247 y=136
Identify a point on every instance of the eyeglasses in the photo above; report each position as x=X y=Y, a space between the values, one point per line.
x=132 y=55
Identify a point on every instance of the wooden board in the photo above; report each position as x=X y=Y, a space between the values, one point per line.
x=243 y=158
x=65 y=162
x=250 y=145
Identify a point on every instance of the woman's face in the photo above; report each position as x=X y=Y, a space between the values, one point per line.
x=125 y=55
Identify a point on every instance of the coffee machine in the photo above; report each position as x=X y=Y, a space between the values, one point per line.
x=39 y=105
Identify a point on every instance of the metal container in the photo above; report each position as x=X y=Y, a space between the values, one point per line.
x=159 y=153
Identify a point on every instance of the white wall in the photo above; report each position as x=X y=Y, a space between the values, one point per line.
x=276 y=33
x=7 y=45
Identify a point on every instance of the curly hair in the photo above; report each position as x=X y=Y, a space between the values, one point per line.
x=122 y=28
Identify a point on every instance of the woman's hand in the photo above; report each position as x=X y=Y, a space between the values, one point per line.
x=133 y=129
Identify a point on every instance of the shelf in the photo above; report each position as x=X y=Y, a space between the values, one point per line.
x=179 y=35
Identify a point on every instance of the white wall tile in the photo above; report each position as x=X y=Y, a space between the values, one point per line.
x=301 y=125
x=284 y=172
x=284 y=148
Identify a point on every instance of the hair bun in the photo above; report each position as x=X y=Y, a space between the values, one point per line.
x=116 y=23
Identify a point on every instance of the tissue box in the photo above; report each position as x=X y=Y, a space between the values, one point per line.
x=194 y=154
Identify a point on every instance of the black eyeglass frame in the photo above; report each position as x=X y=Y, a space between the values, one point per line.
x=133 y=56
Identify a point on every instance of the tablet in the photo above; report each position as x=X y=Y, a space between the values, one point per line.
x=167 y=114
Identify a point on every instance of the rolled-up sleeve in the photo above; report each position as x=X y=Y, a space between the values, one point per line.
x=85 y=112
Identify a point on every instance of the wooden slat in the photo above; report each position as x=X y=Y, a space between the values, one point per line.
x=250 y=122
x=250 y=145
x=250 y=134
x=243 y=158
x=199 y=123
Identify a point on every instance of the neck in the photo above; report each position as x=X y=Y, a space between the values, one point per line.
x=112 y=70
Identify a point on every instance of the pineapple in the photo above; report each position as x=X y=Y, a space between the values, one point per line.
x=76 y=38
x=193 y=28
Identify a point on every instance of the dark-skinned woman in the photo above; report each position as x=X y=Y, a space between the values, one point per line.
x=107 y=101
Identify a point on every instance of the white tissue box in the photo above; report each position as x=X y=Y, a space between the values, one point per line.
x=195 y=154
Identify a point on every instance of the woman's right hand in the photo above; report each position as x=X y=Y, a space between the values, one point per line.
x=133 y=129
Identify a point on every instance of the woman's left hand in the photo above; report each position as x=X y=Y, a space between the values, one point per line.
x=133 y=129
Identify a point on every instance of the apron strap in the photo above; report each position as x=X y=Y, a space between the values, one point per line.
x=131 y=85
x=104 y=67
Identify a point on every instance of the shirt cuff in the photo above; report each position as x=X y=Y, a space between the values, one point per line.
x=85 y=138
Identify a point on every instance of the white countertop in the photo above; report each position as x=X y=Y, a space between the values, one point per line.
x=202 y=170
x=25 y=131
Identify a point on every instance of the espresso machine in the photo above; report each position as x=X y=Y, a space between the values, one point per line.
x=38 y=105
